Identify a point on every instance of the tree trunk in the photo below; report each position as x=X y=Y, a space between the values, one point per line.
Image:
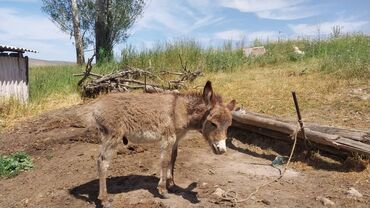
x=76 y=29
x=103 y=30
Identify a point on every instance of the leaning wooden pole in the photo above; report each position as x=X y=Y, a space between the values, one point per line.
x=266 y=125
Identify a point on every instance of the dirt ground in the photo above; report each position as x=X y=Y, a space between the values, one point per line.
x=64 y=156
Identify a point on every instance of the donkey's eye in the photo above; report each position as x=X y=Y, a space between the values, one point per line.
x=213 y=125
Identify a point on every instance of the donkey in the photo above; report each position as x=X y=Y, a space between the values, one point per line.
x=163 y=118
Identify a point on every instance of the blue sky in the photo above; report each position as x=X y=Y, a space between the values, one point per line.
x=209 y=21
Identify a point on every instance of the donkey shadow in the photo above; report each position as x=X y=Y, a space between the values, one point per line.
x=122 y=184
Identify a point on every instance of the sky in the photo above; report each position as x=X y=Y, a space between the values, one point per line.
x=210 y=22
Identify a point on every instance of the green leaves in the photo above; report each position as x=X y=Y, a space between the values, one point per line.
x=13 y=164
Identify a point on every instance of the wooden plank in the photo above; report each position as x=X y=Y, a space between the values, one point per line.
x=355 y=134
x=287 y=138
x=268 y=124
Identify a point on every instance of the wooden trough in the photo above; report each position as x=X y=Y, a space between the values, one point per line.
x=332 y=139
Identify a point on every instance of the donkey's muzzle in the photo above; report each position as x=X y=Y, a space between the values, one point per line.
x=219 y=147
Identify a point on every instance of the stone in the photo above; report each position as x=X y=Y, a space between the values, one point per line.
x=219 y=192
x=325 y=201
x=354 y=193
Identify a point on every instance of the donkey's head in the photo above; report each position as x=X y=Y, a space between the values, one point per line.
x=217 y=120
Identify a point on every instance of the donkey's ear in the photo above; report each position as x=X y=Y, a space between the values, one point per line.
x=231 y=105
x=208 y=93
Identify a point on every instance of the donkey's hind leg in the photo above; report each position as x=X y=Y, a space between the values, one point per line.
x=107 y=150
x=167 y=145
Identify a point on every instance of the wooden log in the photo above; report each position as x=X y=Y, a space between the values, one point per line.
x=355 y=134
x=287 y=138
x=332 y=140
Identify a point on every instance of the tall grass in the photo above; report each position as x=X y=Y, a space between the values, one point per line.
x=49 y=81
x=167 y=55
x=345 y=56
x=46 y=81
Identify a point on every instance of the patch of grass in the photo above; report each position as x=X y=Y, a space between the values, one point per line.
x=165 y=56
x=13 y=164
x=323 y=98
x=46 y=81
x=346 y=56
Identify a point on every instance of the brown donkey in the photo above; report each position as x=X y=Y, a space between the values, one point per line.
x=162 y=118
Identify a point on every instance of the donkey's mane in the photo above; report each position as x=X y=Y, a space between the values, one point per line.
x=199 y=95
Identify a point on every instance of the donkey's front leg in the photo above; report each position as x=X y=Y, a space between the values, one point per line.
x=170 y=172
x=167 y=145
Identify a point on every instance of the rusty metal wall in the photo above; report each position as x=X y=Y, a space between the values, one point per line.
x=14 y=77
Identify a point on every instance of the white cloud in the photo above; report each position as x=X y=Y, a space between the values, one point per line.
x=290 y=13
x=347 y=26
x=230 y=35
x=35 y=32
x=17 y=26
x=163 y=14
x=177 y=17
x=238 y=35
x=272 y=9
x=22 y=1
x=257 y=5
x=207 y=20
x=263 y=35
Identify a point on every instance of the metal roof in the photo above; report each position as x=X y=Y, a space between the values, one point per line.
x=12 y=48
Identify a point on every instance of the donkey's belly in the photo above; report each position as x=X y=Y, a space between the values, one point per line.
x=143 y=136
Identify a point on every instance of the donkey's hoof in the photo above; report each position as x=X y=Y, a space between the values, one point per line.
x=170 y=183
x=164 y=193
x=165 y=196
x=106 y=204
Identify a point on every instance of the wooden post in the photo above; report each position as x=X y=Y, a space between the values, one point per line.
x=299 y=116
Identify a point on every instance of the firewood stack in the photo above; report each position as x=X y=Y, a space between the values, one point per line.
x=129 y=78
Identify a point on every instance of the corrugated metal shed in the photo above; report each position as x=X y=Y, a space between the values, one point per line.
x=14 y=73
x=15 y=49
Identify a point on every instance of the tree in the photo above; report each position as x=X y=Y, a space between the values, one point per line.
x=105 y=22
x=113 y=19
x=77 y=33
x=75 y=17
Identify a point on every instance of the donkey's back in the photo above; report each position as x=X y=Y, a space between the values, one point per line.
x=138 y=117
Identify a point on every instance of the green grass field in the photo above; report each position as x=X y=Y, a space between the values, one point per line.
x=323 y=77
x=346 y=56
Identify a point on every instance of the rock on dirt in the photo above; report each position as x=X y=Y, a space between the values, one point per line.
x=325 y=201
x=219 y=192
x=265 y=201
x=352 y=192
x=361 y=93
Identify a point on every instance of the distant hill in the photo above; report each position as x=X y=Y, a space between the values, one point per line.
x=38 y=62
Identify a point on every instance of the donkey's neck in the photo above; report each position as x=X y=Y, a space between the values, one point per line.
x=197 y=111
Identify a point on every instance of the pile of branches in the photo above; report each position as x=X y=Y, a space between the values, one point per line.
x=129 y=78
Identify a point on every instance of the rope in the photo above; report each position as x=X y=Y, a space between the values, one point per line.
x=232 y=196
